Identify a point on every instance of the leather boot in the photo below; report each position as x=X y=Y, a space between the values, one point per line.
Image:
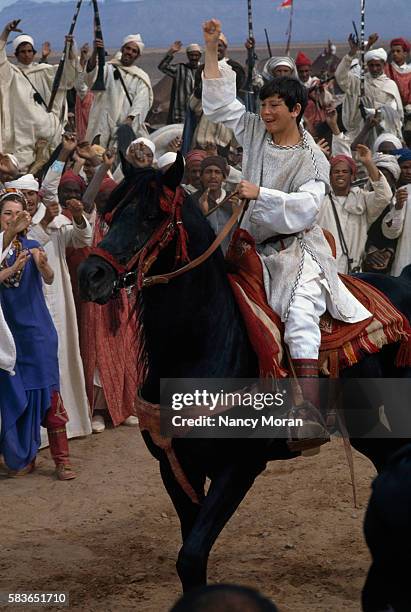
x=55 y=422
x=313 y=431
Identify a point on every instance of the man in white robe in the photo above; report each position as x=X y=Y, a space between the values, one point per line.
x=55 y=232
x=380 y=92
x=127 y=98
x=397 y=222
x=348 y=212
x=25 y=91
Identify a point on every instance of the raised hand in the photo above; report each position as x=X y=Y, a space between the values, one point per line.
x=109 y=158
x=12 y=26
x=249 y=43
x=212 y=31
x=401 y=198
x=69 y=141
x=352 y=41
x=325 y=147
x=77 y=209
x=372 y=39
x=175 y=144
x=98 y=44
x=45 y=50
x=20 y=223
x=364 y=154
x=52 y=211
x=176 y=46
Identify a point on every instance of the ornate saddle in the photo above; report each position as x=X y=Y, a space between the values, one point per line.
x=342 y=344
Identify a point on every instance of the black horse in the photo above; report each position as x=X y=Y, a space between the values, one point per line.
x=193 y=329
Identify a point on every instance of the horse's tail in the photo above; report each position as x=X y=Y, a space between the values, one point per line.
x=406 y=274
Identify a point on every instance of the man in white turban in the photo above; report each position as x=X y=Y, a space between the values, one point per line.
x=25 y=91
x=380 y=92
x=128 y=95
x=278 y=67
x=183 y=79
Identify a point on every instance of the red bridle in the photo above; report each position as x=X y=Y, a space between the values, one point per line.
x=141 y=262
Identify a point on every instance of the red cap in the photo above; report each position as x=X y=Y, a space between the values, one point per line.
x=401 y=41
x=302 y=60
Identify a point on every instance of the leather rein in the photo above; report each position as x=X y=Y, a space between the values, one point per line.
x=134 y=272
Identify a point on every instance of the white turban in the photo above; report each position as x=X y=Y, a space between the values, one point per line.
x=389 y=162
x=27 y=182
x=166 y=160
x=193 y=47
x=274 y=62
x=387 y=137
x=23 y=38
x=376 y=54
x=145 y=141
x=135 y=38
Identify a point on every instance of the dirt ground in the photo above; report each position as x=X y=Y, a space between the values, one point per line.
x=110 y=537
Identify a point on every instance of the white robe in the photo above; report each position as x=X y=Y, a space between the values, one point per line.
x=397 y=224
x=277 y=212
x=60 y=234
x=111 y=107
x=356 y=213
x=380 y=91
x=22 y=120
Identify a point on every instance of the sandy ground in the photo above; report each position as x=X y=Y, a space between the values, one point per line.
x=110 y=537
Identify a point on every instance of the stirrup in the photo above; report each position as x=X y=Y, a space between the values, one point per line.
x=312 y=434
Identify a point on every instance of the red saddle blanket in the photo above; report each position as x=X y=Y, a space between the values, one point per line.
x=342 y=344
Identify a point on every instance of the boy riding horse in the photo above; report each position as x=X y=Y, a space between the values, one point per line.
x=286 y=176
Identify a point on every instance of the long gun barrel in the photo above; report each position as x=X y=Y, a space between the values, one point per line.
x=268 y=43
x=99 y=82
x=59 y=72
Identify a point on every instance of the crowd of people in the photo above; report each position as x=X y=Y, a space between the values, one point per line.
x=72 y=366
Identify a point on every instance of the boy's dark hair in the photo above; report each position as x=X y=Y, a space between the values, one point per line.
x=288 y=89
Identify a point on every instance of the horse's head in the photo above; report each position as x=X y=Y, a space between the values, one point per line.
x=136 y=212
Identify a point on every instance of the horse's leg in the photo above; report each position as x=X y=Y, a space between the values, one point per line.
x=186 y=509
x=226 y=492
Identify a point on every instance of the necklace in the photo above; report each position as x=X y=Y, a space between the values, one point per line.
x=13 y=281
x=299 y=144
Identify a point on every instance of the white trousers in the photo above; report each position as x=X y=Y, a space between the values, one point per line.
x=302 y=328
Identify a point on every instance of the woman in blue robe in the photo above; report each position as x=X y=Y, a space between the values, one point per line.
x=26 y=396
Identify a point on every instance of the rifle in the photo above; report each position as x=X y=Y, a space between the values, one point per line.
x=250 y=102
x=59 y=72
x=101 y=53
x=268 y=43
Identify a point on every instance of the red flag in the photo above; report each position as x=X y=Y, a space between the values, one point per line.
x=286 y=4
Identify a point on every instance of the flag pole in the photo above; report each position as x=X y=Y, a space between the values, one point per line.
x=289 y=29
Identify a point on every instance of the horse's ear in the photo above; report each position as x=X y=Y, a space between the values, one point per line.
x=174 y=175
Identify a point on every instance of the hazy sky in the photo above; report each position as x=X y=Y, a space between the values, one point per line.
x=388 y=17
